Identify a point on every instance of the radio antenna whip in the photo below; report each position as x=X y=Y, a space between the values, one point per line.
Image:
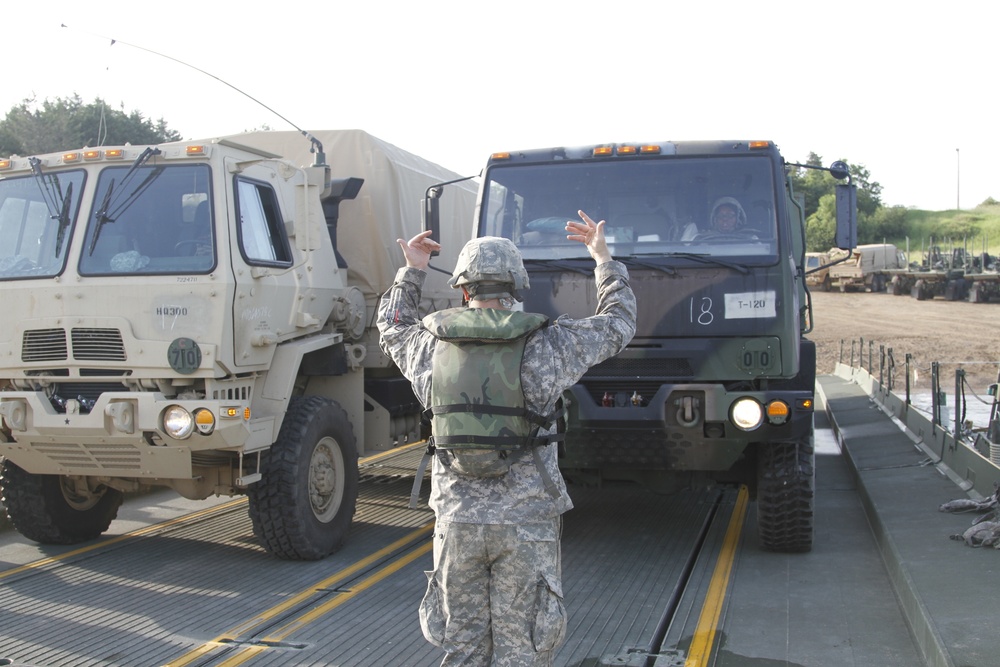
x=317 y=146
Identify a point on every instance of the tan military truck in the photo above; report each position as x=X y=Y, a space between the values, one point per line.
x=866 y=270
x=199 y=315
x=817 y=273
x=818 y=267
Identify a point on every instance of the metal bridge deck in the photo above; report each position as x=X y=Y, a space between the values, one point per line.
x=182 y=583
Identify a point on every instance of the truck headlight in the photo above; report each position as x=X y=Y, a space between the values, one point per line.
x=178 y=422
x=747 y=414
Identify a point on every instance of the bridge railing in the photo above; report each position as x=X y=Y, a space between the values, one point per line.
x=970 y=452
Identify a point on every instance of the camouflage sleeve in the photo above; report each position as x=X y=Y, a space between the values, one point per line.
x=402 y=338
x=558 y=356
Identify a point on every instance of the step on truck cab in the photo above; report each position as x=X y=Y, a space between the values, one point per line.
x=718 y=383
x=197 y=315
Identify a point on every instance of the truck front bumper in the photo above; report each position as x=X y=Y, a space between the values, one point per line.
x=683 y=427
x=122 y=435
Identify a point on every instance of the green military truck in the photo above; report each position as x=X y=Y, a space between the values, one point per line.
x=718 y=383
x=198 y=315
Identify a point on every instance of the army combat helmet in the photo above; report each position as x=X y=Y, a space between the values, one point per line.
x=490 y=267
x=734 y=204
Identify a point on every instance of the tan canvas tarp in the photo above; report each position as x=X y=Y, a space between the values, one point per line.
x=388 y=206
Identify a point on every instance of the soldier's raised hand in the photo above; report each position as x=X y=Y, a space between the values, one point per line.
x=417 y=250
x=591 y=234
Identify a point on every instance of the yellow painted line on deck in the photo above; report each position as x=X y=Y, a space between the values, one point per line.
x=226 y=638
x=704 y=633
x=157 y=527
x=374 y=458
x=314 y=614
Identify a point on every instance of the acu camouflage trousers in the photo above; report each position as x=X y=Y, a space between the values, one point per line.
x=494 y=597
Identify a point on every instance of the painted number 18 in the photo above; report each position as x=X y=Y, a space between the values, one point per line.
x=701 y=312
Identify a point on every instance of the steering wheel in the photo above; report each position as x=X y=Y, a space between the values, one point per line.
x=191 y=245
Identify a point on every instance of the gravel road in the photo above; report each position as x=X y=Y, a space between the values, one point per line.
x=953 y=333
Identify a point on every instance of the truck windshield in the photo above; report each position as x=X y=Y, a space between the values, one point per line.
x=37 y=216
x=152 y=220
x=661 y=207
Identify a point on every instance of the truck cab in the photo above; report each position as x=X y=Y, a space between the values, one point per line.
x=717 y=384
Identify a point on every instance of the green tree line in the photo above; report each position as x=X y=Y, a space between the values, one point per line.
x=33 y=127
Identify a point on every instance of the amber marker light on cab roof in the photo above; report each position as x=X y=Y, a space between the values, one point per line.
x=71 y=157
x=760 y=144
x=626 y=150
x=196 y=150
x=5 y=164
x=91 y=155
x=500 y=156
x=114 y=154
x=649 y=149
x=602 y=150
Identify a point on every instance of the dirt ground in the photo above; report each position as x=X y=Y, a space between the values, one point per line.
x=953 y=333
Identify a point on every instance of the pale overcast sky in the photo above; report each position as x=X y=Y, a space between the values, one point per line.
x=905 y=91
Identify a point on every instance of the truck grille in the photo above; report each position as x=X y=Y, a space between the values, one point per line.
x=86 y=392
x=631 y=376
x=97 y=345
x=41 y=345
x=110 y=458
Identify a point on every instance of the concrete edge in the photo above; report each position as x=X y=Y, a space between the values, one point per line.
x=922 y=626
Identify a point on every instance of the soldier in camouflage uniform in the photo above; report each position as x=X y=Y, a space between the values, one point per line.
x=495 y=594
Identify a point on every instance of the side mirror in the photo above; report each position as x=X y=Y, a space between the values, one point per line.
x=846 y=236
x=432 y=213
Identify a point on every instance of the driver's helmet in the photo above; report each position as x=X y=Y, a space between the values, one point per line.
x=490 y=267
x=741 y=216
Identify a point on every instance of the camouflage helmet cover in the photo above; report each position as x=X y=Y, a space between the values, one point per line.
x=490 y=259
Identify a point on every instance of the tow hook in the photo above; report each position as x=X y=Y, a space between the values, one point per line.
x=688 y=411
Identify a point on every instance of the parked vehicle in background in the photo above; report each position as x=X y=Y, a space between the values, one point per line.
x=819 y=278
x=866 y=269
x=818 y=267
x=953 y=275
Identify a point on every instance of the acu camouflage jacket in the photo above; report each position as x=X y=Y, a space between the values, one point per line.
x=555 y=358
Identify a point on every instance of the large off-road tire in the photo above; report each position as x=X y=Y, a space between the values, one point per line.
x=303 y=505
x=48 y=509
x=897 y=287
x=786 y=488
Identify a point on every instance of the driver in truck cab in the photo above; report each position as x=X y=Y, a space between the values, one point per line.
x=727 y=215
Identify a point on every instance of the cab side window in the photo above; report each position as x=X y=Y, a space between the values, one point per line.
x=261 y=229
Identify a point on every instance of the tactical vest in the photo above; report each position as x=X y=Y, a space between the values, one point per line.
x=477 y=406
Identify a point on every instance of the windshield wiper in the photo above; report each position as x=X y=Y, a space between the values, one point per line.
x=104 y=214
x=630 y=260
x=705 y=258
x=64 y=218
x=560 y=265
x=57 y=205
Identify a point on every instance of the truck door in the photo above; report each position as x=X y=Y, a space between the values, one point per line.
x=262 y=264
